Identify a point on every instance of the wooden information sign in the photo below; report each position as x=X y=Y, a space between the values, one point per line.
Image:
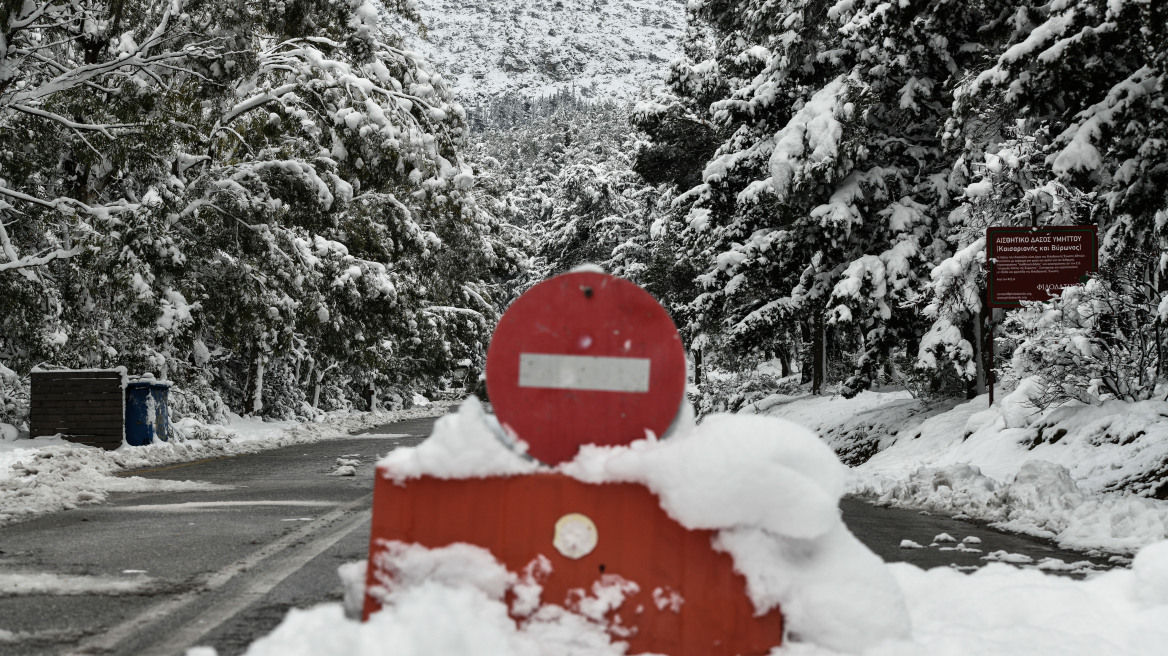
x=1035 y=264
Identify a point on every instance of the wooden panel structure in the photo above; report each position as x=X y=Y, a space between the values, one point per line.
x=87 y=407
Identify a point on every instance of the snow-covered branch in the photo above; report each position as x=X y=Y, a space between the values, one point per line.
x=39 y=260
x=95 y=127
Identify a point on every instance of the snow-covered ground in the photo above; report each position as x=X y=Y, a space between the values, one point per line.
x=605 y=49
x=49 y=474
x=997 y=610
x=1070 y=474
x=769 y=487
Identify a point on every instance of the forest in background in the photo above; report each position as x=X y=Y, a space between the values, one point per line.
x=280 y=207
x=823 y=174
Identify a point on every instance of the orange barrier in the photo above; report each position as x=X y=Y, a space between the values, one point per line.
x=515 y=518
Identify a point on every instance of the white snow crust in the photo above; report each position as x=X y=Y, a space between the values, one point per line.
x=998 y=610
x=1046 y=474
x=463 y=445
x=1052 y=474
x=445 y=602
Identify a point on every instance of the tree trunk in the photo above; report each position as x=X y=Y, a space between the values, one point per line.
x=819 y=353
x=977 y=386
x=697 y=366
x=257 y=399
x=369 y=394
x=805 y=358
x=784 y=361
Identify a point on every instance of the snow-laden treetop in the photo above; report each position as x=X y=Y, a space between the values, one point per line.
x=610 y=49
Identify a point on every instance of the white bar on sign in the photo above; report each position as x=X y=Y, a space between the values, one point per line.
x=584 y=372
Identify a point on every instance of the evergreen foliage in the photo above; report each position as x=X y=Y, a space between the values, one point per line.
x=862 y=148
x=262 y=201
x=280 y=207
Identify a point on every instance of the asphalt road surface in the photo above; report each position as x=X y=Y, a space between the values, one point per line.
x=168 y=571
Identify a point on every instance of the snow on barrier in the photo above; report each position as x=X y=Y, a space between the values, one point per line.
x=714 y=541
x=606 y=551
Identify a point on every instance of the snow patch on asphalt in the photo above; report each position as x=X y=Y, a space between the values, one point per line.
x=43 y=475
x=46 y=583
x=196 y=506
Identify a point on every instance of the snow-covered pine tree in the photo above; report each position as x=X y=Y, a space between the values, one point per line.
x=259 y=198
x=820 y=207
x=571 y=185
x=1062 y=124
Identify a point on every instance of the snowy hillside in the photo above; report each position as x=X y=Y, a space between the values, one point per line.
x=608 y=49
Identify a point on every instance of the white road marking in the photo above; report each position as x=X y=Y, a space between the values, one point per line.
x=189 y=634
x=178 y=640
x=584 y=372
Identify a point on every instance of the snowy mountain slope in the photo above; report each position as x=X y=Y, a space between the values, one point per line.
x=606 y=49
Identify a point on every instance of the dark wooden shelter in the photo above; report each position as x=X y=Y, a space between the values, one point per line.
x=87 y=407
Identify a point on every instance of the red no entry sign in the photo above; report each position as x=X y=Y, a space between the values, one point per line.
x=585 y=358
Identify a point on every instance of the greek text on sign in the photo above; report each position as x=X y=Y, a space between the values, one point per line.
x=579 y=372
x=1034 y=264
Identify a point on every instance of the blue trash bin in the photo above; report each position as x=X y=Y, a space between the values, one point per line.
x=147 y=417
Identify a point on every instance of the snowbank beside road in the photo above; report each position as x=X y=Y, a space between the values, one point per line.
x=49 y=474
x=736 y=471
x=996 y=611
x=1068 y=474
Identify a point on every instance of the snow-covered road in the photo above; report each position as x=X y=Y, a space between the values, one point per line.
x=155 y=573
x=220 y=565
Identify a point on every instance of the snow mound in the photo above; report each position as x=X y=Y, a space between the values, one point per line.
x=439 y=602
x=769 y=487
x=1080 y=475
x=1150 y=575
x=459 y=607
x=463 y=445
x=1003 y=611
x=1042 y=500
x=731 y=471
